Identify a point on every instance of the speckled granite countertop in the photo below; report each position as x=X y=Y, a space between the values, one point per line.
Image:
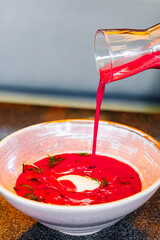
x=141 y=224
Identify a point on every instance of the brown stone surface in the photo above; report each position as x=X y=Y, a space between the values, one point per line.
x=13 y=117
x=12 y=222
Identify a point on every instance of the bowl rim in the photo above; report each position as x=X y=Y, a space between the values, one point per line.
x=121 y=202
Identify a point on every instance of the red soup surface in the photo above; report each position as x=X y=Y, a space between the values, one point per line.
x=41 y=181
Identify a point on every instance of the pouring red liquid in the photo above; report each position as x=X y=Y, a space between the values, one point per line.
x=115 y=180
x=128 y=69
x=119 y=55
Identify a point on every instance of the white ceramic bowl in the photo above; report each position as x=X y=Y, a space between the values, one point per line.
x=127 y=144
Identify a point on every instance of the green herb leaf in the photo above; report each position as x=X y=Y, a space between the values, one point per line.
x=123 y=182
x=27 y=195
x=83 y=154
x=33 y=168
x=104 y=183
x=95 y=179
x=54 y=160
x=23 y=167
x=27 y=186
x=32 y=196
x=35 y=179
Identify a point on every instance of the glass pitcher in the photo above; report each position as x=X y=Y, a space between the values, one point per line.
x=121 y=53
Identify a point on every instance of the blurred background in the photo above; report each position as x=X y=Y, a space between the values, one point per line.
x=47 y=53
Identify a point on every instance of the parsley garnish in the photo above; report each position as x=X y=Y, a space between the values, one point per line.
x=24 y=185
x=23 y=167
x=104 y=183
x=33 y=168
x=95 y=179
x=83 y=154
x=30 y=194
x=35 y=179
x=27 y=186
x=54 y=160
x=123 y=182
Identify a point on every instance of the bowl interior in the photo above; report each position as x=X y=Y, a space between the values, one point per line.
x=118 y=141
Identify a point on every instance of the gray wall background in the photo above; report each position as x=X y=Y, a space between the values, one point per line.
x=49 y=44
